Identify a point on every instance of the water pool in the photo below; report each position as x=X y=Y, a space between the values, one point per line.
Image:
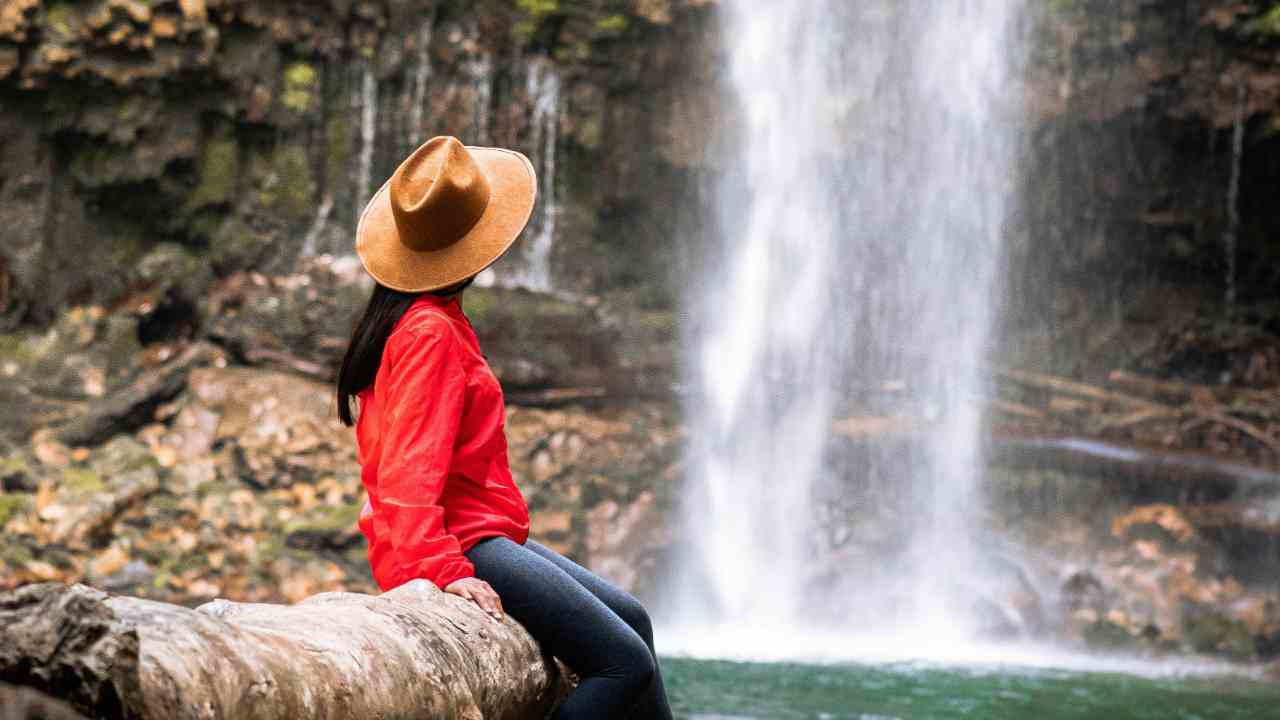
x=723 y=689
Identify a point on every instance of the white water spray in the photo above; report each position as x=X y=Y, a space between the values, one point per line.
x=861 y=230
x=529 y=265
x=421 y=79
x=367 y=101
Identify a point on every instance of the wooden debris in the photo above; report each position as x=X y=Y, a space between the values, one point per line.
x=132 y=406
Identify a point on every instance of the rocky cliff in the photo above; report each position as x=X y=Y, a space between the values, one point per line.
x=167 y=141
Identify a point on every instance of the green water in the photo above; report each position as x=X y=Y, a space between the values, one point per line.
x=719 y=690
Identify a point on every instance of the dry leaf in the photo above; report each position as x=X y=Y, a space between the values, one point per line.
x=109 y=561
x=43 y=570
x=52 y=452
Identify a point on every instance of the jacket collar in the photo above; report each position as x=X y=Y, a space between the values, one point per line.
x=450 y=305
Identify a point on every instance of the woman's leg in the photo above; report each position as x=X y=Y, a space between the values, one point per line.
x=613 y=662
x=653 y=704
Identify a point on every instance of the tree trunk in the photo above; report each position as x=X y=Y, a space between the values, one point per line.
x=412 y=652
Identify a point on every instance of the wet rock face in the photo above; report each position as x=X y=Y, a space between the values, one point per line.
x=247 y=132
x=1131 y=157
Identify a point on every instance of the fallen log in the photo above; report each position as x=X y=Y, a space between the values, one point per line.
x=411 y=652
x=1216 y=478
x=133 y=405
x=21 y=703
x=1076 y=388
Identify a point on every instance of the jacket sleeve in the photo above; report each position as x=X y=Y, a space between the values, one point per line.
x=425 y=398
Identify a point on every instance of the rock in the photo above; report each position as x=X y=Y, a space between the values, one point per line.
x=623 y=540
x=302 y=322
x=551 y=523
x=1208 y=630
x=280 y=112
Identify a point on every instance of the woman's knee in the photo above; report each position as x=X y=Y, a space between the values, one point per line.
x=633 y=613
x=637 y=664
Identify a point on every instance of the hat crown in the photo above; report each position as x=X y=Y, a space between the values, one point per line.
x=438 y=194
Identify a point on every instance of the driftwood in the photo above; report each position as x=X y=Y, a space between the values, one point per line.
x=1212 y=476
x=133 y=405
x=1076 y=388
x=412 y=652
x=1187 y=406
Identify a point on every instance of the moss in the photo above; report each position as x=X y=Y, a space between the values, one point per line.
x=218 y=169
x=1266 y=24
x=131 y=110
x=1214 y=633
x=12 y=504
x=299 y=87
x=588 y=133
x=613 y=24
x=285 y=183
x=1106 y=635
x=82 y=480
x=330 y=518
x=15 y=348
x=337 y=149
x=539 y=8
x=60 y=20
x=18 y=555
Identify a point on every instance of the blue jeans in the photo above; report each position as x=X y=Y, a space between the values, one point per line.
x=594 y=627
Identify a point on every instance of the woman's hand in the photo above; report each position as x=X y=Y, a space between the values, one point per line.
x=477 y=590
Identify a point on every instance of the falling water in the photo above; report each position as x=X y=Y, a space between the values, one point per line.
x=421 y=76
x=529 y=265
x=482 y=77
x=1233 y=196
x=367 y=101
x=861 y=225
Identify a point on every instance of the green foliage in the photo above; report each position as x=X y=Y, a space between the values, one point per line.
x=58 y=19
x=539 y=8
x=12 y=504
x=337 y=148
x=535 y=12
x=285 y=182
x=82 y=480
x=1267 y=24
x=326 y=519
x=612 y=24
x=218 y=167
x=299 y=87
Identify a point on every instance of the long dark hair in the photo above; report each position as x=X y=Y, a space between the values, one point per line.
x=364 y=352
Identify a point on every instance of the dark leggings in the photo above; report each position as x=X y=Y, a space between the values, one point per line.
x=597 y=629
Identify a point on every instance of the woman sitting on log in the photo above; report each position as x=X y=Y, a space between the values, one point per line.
x=442 y=504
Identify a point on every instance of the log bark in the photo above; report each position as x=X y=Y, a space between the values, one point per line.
x=411 y=652
x=22 y=703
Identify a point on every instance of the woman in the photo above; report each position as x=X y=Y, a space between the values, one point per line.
x=442 y=504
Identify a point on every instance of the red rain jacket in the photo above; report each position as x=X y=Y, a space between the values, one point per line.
x=432 y=451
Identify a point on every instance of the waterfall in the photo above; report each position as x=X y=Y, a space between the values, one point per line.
x=367 y=101
x=421 y=76
x=861 y=225
x=1230 y=241
x=528 y=265
x=482 y=77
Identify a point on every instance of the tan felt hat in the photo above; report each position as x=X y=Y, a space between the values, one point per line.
x=449 y=211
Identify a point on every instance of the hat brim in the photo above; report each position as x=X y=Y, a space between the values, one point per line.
x=514 y=190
